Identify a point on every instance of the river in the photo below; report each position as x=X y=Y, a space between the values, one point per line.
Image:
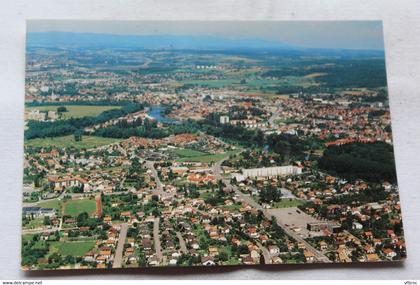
x=158 y=113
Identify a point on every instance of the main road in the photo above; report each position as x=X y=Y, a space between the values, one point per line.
x=217 y=169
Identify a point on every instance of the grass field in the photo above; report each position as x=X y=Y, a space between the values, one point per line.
x=35 y=223
x=76 y=111
x=68 y=141
x=254 y=85
x=189 y=153
x=220 y=83
x=198 y=156
x=76 y=207
x=55 y=203
x=287 y=203
x=28 y=237
x=74 y=248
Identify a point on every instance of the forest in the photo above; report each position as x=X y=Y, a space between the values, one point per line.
x=39 y=129
x=370 y=161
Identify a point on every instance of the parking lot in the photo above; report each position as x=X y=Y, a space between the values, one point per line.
x=295 y=219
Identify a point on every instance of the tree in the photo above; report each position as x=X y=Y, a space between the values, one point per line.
x=82 y=218
x=47 y=221
x=62 y=109
x=223 y=256
x=78 y=135
x=270 y=194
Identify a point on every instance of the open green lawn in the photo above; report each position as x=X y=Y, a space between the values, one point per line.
x=54 y=203
x=27 y=237
x=76 y=207
x=73 y=248
x=76 y=111
x=68 y=141
x=188 y=153
x=205 y=195
x=35 y=223
x=198 y=156
x=287 y=203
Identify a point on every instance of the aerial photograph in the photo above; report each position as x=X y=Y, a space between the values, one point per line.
x=207 y=143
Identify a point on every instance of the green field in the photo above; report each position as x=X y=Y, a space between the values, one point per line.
x=68 y=141
x=54 y=203
x=76 y=207
x=254 y=85
x=189 y=153
x=220 y=83
x=35 y=223
x=287 y=203
x=27 y=237
x=74 y=248
x=198 y=156
x=75 y=111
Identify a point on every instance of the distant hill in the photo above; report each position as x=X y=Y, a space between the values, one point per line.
x=94 y=40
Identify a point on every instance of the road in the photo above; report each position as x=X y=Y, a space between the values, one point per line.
x=182 y=244
x=156 y=239
x=58 y=197
x=275 y=116
x=151 y=165
x=266 y=254
x=40 y=231
x=120 y=246
x=217 y=168
x=159 y=186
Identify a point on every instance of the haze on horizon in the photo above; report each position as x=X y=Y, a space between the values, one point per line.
x=307 y=34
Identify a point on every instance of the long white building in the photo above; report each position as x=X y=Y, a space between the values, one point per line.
x=272 y=171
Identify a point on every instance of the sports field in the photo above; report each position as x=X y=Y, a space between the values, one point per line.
x=76 y=207
x=68 y=142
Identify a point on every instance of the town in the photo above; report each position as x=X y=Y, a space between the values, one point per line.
x=143 y=158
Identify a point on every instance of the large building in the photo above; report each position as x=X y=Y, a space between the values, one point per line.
x=37 y=212
x=272 y=171
x=224 y=119
x=267 y=172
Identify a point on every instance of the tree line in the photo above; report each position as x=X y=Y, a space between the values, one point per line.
x=38 y=129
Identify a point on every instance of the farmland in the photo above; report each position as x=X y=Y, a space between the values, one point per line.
x=75 y=111
x=69 y=142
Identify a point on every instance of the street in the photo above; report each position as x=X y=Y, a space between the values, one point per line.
x=156 y=239
x=120 y=247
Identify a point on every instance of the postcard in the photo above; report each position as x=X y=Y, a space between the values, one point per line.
x=194 y=143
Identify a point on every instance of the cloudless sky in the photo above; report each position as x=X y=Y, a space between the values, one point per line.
x=312 y=34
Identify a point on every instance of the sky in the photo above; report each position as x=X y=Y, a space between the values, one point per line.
x=308 y=34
